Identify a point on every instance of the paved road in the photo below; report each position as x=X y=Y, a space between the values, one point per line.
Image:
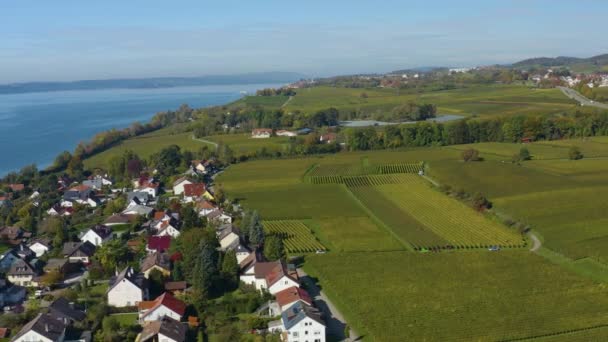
x=573 y=94
x=536 y=244
x=335 y=322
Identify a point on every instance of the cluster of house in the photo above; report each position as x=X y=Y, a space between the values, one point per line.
x=262 y=133
x=599 y=80
x=56 y=323
x=299 y=319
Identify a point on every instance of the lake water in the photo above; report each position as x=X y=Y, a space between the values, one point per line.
x=35 y=127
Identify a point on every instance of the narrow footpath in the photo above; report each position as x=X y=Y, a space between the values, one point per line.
x=335 y=322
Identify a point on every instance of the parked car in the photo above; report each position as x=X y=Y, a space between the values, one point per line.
x=494 y=248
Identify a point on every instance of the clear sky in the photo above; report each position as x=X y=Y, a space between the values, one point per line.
x=70 y=40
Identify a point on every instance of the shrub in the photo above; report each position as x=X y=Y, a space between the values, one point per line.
x=575 y=153
x=470 y=154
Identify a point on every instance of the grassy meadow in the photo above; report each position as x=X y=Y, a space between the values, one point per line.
x=144 y=146
x=458 y=296
x=244 y=144
x=477 y=100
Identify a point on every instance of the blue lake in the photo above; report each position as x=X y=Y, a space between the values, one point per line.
x=35 y=127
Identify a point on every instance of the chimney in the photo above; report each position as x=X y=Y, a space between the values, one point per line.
x=71 y=305
x=46 y=327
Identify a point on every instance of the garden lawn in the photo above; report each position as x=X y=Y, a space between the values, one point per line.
x=459 y=296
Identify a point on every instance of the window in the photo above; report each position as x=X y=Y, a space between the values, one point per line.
x=317 y=340
x=317 y=333
x=295 y=334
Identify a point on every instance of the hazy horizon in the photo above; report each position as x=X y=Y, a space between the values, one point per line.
x=69 y=40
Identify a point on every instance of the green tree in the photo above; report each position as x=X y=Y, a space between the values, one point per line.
x=575 y=153
x=274 y=248
x=230 y=269
x=256 y=230
x=524 y=154
x=205 y=272
x=156 y=281
x=112 y=254
x=470 y=154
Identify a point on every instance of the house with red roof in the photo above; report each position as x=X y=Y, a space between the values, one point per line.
x=290 y=296
x=165 y=305
x=273 y=277
x=147 y=184
x=158 y=244
x=261 y=133
x=16 y=187
x=195 y=191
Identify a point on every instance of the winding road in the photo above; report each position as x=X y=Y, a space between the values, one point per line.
x=575 y=95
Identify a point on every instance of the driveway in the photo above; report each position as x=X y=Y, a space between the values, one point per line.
x=334 y=321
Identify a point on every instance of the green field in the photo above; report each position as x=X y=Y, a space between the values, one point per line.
x=440 y=220
x=297 y=237
x=477 y=100
x=244 y=144
x=459 y=296
x=144 y=146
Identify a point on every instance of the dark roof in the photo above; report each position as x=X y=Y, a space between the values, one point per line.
x=61 y=307
x=120 y=218
x=297 y=312
x=78 y=249
x=23 y=268
x=159 y=243
x=141 y=196
x=104 y=232
x=127 y=274
x=156 y=259
x=166 y=326
x=176 y=285
x=45 y=325
x=44 y=241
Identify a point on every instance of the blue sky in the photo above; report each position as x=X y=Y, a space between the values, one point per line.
x=71 y=40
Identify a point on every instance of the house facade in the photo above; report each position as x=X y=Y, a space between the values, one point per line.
x=127 y=289
x=166 y=305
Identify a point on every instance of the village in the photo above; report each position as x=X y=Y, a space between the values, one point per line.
x=145 y=217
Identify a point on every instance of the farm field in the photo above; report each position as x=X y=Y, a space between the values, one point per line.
x=481 y=101
x=440 y=220
x=144 y=146
x=244 y=144
x=428 y=297
x=573 y=221
x=354 y=234
x=298 y=238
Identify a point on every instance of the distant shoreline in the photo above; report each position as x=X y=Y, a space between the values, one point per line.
x=151 y=83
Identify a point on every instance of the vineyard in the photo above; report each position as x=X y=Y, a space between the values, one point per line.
x=443 y=218
x=350 y=173
x=298 y=238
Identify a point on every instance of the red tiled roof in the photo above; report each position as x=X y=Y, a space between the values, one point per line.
x=80 y=187
x=167 y=300
x=175 y=285
x=261 y=130
x=291 y=295
x=4 y=332
x=176 y=256
x=205 y=205
x=16 y=187
x=159 y=215
x=194 y=189
x=159 y=243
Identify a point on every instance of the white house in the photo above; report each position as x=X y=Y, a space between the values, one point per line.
x=218 y=215
x=300 y=322
x=164 y=305
x=97 y=235
x=227 y=237
x=261 y=133
x=273 y=277
x=127 y=289
x=166 y=329
x=165 y=228
x=78 y=251
x=23 y=274
x=43 y=328
x=40 y=247
x=178 y=185
x=242 y=252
